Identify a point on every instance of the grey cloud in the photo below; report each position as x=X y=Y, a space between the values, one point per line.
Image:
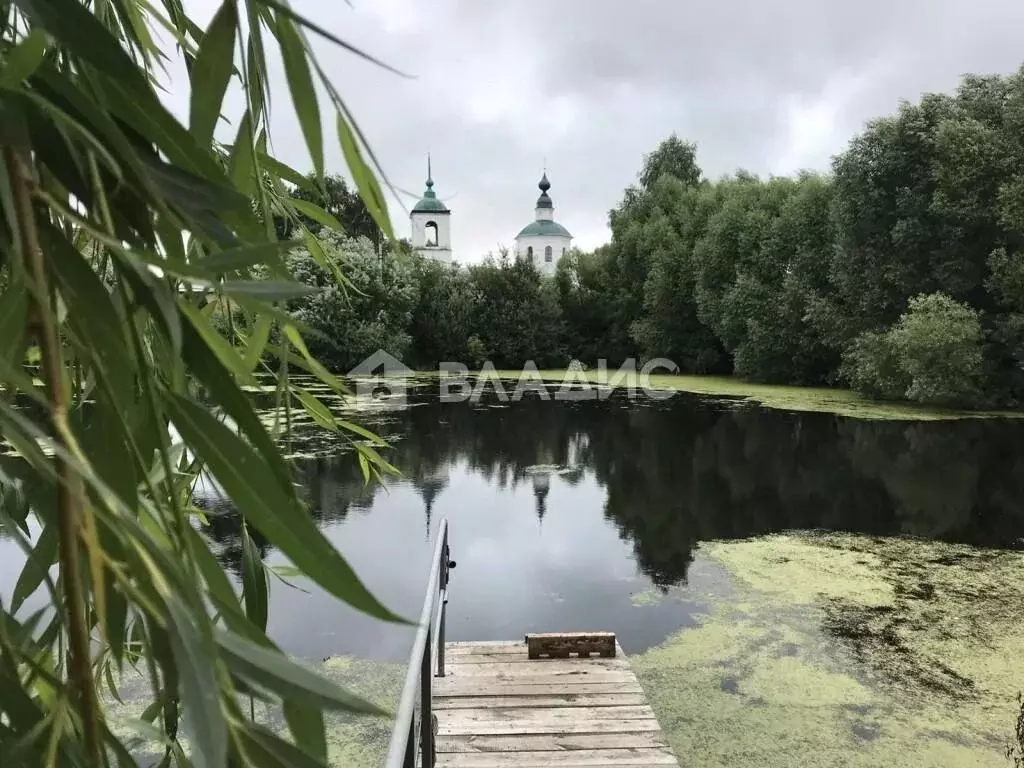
x=592 y=85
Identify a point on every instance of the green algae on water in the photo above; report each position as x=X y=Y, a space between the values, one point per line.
x=789 y=398
x=847 y=650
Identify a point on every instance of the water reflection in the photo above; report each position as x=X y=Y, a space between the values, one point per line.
x=563 y=512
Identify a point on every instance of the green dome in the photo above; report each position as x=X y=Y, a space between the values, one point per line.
x=544 y=228
x=429 y=202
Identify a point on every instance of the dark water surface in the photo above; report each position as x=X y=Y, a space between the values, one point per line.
x=580 y=515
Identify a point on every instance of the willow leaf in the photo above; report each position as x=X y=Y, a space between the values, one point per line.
x=257 y=342
x=254 y=582
x=79 y=31
x=306 y=724
x=267 y=290
x=366 y=181
x=288 y=679
x=266 y=749
x=300 y=83
x=199 y=688
x=44 y=554
x=274 y=511
x=22 y=60
x=212 y=70
x=245 y=256
x=316 y=213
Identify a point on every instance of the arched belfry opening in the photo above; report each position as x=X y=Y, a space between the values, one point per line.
x=430 y=234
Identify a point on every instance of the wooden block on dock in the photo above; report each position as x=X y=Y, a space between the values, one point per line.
x=561 y=645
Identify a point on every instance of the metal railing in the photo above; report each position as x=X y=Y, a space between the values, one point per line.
x=426 y=660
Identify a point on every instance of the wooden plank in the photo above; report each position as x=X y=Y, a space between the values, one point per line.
x=648 y=756
x=550 y=742
x=498 y=646
x=498 y=708
x=549 y=715
x=468 y=687
x=544 y=667
x=510 y=728
x=560 y=645
x=561 y=699
x=503 y=657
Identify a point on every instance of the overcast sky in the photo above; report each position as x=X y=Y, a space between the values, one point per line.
x=591 y=85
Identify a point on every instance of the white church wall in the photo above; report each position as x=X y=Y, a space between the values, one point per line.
x=418 y=236
x=559 y=246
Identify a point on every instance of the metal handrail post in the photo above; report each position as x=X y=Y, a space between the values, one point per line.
x=426 y=721
x=403 y=747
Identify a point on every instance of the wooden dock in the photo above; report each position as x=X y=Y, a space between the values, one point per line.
x=497 y=708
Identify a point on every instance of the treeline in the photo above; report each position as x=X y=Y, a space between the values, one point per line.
x=900 y=273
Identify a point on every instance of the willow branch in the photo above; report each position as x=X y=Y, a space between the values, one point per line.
x=70 y=489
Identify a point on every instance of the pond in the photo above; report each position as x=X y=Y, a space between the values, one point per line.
x=794 y=588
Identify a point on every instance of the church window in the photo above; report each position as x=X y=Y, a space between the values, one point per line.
x=547 y=253
x=529 y=254
x=563 y=251
x=431 y=234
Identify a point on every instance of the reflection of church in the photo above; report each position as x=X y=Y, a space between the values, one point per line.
x=542 y=242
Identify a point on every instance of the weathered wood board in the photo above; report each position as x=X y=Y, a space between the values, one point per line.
x=562 y=645
x=497 y=708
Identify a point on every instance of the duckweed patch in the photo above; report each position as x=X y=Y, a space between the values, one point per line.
x=838 y=649
x=818 y=399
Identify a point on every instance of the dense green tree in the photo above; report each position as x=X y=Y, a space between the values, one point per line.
x=441 y=324
x=373 y=311
x=516 y=316
x=932 y=354
x=585 y=294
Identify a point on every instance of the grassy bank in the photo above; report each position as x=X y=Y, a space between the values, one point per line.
x=820 y=399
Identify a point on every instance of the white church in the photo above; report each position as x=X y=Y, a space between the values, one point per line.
x=543 y=241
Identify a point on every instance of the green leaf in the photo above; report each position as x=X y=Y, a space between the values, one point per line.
x=300 y=83
x=226 y=353
x=23 y=60
x=254 y=582
x=316 y=213
x=13 y=317
x=199 y=688
x=78 y=30
x=243 y=171
x=366 y=181
x=328 y=265
x=92 y=314
x=321 y=413
x=313 y=364
x=267 y=750
x=212 y=70
x=245 y=256
x=305 y=22
x=257 y=342
x=307 y=726
x=34 y=571
x=268 y=290
x=288 y=679
x=366 y=434
x=286 y=172
x=224 y=389
x=269 y=505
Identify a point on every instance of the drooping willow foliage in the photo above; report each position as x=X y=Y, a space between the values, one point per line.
x=121 y=231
